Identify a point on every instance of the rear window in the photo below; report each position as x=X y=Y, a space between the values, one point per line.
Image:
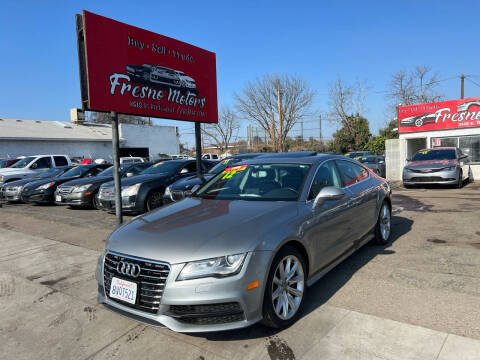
x=60 y=161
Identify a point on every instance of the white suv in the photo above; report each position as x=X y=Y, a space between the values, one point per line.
x=31 y=166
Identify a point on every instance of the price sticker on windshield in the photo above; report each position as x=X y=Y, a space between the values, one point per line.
x=424 y=152
x=158 y=164
x=230 y=171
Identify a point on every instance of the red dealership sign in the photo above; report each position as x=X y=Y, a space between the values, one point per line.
x=451 y=114
x=134 y=71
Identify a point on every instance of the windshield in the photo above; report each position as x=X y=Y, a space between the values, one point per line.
x=368 y=159
x=76 y=171
x=222 y=165
x=261 y=182
x=109 y=171
x=22 y=163
x=163 y=167
x=50 y=173
x=440 y=154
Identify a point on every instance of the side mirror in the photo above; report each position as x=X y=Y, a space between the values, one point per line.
x=189 y=193
x=328 y=193
x=408 y=159
x=183 y=171
x=129 y=174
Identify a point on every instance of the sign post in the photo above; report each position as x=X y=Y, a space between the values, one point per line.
x=128 y=70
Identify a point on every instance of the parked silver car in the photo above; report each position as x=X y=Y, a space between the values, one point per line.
x=245 y=246
x=441 y=165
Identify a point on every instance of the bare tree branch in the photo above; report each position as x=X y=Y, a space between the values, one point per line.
x=225 y=131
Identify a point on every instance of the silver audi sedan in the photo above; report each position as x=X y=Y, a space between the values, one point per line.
x=246 y=245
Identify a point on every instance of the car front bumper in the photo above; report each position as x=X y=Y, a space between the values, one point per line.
x=213 y=293
x=73 y=199
x=445 y=177
x=129 y=204
x=38 y=196
x=10 y=195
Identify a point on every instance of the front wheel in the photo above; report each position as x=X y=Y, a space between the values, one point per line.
x=383 y=226
x=470 y=175
x=460 y=180
x=285 y=289
x=154 y=200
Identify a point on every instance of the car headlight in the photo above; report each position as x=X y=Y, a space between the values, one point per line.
x=131 y=190
x=82 y=188
x=18 y=188
x=45 y=186
x=168 y=191
x=217 y=267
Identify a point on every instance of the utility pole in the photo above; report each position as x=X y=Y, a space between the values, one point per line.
x=116 y=168
x=462 y=86
x=301 y=131
x=280 y=118
x=320 y=125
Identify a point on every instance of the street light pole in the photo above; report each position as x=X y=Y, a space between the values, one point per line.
x=116 y=168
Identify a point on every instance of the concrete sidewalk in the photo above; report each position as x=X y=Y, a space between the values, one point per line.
x=48 y=311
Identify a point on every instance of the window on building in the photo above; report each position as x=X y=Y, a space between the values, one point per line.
x=469 y=145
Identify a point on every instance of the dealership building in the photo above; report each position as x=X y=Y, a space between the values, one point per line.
x=447 y=123
x=79 y=139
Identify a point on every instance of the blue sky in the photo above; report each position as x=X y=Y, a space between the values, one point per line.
x=366 y=40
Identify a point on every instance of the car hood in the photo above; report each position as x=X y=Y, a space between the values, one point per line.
x=58 y=181
x=188 y=183
x=431 y=164
x=195 y=229
x=139 y=179
x=20 y=171
x=89 y=180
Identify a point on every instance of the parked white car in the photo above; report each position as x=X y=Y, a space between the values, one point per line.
x=209 y=156
x=31 y=166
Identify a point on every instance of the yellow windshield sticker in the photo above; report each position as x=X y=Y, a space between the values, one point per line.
x=158 y=164
x=225 y=162
x=230 y=171
x=424 y=152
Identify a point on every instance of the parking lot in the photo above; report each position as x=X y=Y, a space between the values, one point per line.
x=416 y=298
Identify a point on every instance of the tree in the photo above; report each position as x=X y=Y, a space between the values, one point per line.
x=417 y=86
x=355 y=137
x=276 y=103
x=225 y=131
x=104 y=118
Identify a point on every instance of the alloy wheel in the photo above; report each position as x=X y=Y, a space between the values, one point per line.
x=155 y=200
x=385 y=222
x=288 y=287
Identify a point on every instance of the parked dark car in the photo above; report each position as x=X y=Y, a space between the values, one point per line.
x=42 y=191
x=11 y=192
x=83 y=192
x=376 y=163
x=246 y=245
x=178 y=190
x=358 y=154
x=145 y=191
x=441 y=165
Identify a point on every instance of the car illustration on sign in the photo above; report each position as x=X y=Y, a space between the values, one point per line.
x=160 y=76
x=466 y=105
x=419 y=120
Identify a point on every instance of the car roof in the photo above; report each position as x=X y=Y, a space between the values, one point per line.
x=296 y=160
x=290 y=154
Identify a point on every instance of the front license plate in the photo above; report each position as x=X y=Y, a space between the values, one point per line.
x=58 y=198
x=123 y=290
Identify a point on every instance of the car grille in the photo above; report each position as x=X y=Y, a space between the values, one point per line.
x=178 y=195
x=150 y=282
x=423 y=171
x=207 y=314
x=429 y=179
x=65 y=189
x=106 y=194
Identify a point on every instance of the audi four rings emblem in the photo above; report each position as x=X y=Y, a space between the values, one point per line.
x=129 y=269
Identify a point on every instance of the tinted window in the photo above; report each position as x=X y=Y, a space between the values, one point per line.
x=368 y=159
x=351 y=173
x=435 y=154
x=327 y=175
x=164 y=167
x=44 y=163
x=60 y=161
x=192 y=167
x=259 y=182
x=76 y=171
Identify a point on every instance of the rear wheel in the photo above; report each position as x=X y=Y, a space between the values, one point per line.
x=285 y=289
x=470 y=175
x=383 y=226
x=154 y=200
x=95 y=201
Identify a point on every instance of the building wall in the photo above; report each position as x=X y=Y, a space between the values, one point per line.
x=95 y=149
x=159 y=139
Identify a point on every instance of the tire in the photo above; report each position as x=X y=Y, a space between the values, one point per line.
x=470 y=175
x=407 y=186
x=383 y=225
x=460 y=180
x=154 y=200
x=95 y=201
x=272 y=306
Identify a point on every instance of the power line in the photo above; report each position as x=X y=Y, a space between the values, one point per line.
x=473 y=82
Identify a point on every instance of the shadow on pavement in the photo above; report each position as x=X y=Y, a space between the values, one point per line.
x=326 y=287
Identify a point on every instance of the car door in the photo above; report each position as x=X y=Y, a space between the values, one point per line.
x=363 y=194
x=326 y=227
x=464 y=162
x=42 y=164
